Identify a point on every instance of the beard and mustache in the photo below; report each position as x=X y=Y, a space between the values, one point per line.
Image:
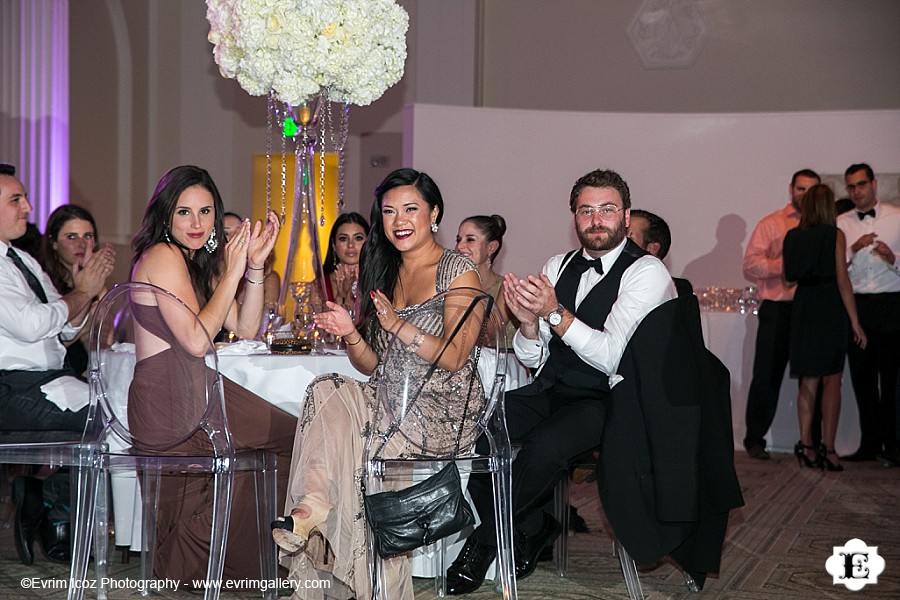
x=614 y=236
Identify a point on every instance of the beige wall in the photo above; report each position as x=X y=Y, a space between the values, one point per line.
x=146 y=94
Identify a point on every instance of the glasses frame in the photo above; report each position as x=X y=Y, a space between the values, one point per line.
x=586 y=212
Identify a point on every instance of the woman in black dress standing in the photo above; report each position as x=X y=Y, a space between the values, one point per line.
x=823 y=311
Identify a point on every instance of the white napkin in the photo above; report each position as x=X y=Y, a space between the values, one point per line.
x=244 y=347
x=123 y=347
x=68 y=393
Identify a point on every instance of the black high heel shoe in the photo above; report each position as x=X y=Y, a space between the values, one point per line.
x=825 y=462
x=803 y=459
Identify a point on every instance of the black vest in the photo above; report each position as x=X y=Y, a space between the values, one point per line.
x=563 y=364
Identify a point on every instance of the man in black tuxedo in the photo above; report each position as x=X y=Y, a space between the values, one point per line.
x=651 y=232
x=576 y=319
x=37 y=393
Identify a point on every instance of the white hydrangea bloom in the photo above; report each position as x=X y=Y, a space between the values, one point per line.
x=355 y=48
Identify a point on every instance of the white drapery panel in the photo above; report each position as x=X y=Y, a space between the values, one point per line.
x=34 y=99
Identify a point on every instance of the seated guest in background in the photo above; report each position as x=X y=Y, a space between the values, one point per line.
x=576 y=318
x=325 y=536
x=70 y=233
x=873 y=252
x=823 y=301
x=763 y=265
x=181 y=248
x=345 y=242
x=651 y=232
x=480 y=238
x=37 y=392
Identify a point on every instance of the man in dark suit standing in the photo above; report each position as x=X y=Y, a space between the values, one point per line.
x=36 y=392
x=576 y=319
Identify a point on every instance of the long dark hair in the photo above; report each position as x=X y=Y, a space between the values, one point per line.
x=331 y=259
x=157 y=218
x=379 y=264
x=49 y=258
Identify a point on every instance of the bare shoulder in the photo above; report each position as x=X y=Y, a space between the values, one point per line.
x=157 y=260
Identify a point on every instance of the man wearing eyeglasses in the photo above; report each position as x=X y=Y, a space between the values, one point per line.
x=873 y=254
x=763 y=265
x=576 y=319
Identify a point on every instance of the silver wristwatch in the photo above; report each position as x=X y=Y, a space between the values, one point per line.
x=555 y=317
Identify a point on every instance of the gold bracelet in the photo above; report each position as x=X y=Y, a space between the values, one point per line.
x=254 y=282
x=353 y=343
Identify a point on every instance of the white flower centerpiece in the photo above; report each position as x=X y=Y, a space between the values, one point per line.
x=355 y=49
x=306 y=54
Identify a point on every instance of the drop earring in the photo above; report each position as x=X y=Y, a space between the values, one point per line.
x=434 y=227
x=168 y=239
x=212 y=243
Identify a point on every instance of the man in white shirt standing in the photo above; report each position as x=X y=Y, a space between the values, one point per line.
x=576 y=319
x=873 y=254
x=36 y=392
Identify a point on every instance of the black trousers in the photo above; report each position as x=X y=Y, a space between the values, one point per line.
x=23 y=407
x=874 y=371
x=773 y=337
x=551 y=428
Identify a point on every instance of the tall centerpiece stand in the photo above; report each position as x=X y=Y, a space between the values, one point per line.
x=307 y=55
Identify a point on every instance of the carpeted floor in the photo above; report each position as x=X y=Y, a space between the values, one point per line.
x=776 y=547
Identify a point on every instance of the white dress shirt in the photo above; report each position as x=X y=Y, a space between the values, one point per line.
x=645 y=285
x=30 y=331
x=869 y=273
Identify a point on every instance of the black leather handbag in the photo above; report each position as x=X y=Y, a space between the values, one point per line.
x=403 y=520
x=406 y=519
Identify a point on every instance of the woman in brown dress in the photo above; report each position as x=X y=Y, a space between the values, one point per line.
x=181 y=248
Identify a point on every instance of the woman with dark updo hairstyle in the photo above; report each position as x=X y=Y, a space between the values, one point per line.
x=480 y=238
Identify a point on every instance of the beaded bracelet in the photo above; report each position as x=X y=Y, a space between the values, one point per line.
x=416 y=342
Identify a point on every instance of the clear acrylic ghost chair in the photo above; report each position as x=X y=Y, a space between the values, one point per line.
x=562 y=511
x=407 y=400
x=80 y=451
x=183 y=430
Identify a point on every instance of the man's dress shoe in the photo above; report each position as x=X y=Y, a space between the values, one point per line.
x=758 y=452
x=528 y=547
x=55 y=541
x=28 y=495
x=467 y=572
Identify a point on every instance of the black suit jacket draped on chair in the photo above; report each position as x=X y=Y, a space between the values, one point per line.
x=666 y=469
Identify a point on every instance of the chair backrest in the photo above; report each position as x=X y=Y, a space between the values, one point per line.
x=154 y=373
x=440 y=408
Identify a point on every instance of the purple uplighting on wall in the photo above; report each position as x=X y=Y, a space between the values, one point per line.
x=34 y=99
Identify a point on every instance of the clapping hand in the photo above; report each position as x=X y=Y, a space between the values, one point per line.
x=263 y=240
x=336 y=320
x=90 y=277
x=344 y=276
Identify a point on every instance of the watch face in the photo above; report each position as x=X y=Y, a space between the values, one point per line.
x=554 y=318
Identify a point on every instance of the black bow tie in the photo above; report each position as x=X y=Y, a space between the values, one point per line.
x=582 y=264
x=862 y=214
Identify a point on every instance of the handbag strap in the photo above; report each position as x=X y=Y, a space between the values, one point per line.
x=395 y=424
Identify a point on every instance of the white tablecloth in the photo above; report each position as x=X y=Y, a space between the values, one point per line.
x=731 y=336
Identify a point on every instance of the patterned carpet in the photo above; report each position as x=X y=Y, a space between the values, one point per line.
x=776 y=547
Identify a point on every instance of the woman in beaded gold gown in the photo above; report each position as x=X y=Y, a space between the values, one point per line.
x=324 y=536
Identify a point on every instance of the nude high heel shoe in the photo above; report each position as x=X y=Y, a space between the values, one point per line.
x=292 y=532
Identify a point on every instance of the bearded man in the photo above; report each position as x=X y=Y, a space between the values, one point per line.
x=576 y=318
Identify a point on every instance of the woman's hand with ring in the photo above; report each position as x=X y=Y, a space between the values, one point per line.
x=384 y=311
